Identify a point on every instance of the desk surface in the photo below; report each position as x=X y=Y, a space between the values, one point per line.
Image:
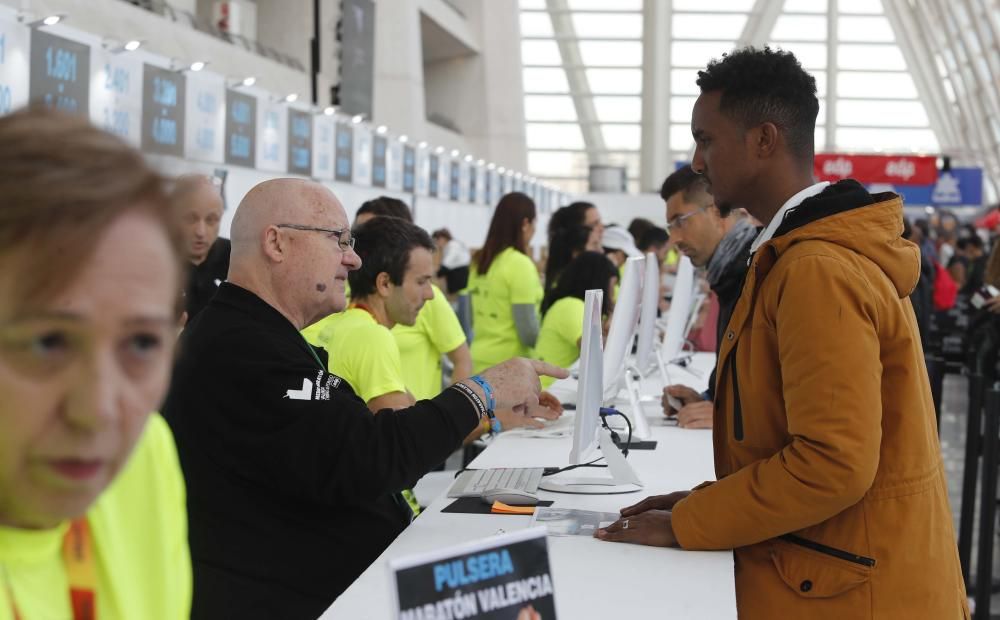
x=593 y=579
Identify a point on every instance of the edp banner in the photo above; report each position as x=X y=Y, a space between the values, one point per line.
x=323 y=130
x=362 y=155
x=205 y=117
x=503 y=577
x=394 y=166
x=272 y=136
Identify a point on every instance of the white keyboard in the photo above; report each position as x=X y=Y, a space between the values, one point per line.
x=473 y=483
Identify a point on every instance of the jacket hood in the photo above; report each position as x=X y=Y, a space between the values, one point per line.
x=869 y=224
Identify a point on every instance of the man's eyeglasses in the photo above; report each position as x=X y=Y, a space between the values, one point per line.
x=343 y=236
x=678 y=221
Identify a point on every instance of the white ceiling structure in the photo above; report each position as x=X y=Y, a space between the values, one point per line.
x=612 y=82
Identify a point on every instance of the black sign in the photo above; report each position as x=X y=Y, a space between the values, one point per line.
x=432 y=183
x=409 y=168
x=488 y=186
x=300 y=129
x=473 y=172
x=162 y=111
x=60 y=73
x=455 y=178
x=378 y=161
x=344 y=153
x=499 y=581
x=357 y=57
x=241 y=129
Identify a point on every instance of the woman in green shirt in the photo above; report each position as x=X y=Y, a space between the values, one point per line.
x=92 y=509
x=562 y=309
x=504 y=286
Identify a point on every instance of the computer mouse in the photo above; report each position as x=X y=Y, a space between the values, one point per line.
x=511 y=497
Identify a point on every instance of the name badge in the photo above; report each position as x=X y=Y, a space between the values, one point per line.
x=506 y=576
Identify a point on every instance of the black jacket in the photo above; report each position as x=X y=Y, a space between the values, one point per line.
x=289 y=475
x=204 y=279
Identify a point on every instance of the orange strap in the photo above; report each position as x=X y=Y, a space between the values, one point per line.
x=78 y=558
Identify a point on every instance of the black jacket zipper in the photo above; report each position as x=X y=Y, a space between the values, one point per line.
x=837 y=553
x=737 y=408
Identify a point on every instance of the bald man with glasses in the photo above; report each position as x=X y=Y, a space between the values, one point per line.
x=291 y=480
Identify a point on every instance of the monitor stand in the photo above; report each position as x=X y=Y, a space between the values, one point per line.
x=671 y=400
x=623 y=478
x=640 y=426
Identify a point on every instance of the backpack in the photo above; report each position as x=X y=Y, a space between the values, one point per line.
x=945 y=289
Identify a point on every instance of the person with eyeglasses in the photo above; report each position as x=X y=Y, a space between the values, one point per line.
x=714 y=238
x=291 y=480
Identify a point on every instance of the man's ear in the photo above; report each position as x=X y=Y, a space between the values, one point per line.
x=383 y=283
x=766 y=137
x=275 y=244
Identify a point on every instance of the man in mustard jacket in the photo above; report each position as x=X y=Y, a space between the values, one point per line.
x=831 y=489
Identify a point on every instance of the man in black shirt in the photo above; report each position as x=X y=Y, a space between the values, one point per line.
x=290 y=478
x=199 y=205
x=719 y=240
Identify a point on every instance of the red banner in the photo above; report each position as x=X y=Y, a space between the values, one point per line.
x=868 y=169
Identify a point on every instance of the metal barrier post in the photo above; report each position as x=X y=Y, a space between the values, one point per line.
x=973 y=433
x=988 y=505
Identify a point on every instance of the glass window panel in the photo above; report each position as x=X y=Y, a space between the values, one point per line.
x=873 y=7
x=629 y=160
x=811 y=55
x=545 y=136
x=549 y=108
x=532 y=4
x=608 y=25
x=536 y=25
x=697 y=54
x=680 y=137
x=614 y=81
x=865 y=29
x=886 y=140
x=876 y=85
x=805 y=6
x=729 y=6
x=557 y=163
x=870 y=57
x=820 y=142
x=616 y=5
x=540 y=53
x=882 y=113
x=618 y=108
x=545 y=81
x=616 y=53
x=680 y=109
x=684 y=82
x=621 y=136
x=800 y=28
x=702 y=26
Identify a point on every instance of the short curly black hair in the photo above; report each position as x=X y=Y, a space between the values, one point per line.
x=766 y=85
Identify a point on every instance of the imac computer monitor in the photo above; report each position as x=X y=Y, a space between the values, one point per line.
x=680 y=309
x=647 y=314
x=587 y=430
x=623 y=322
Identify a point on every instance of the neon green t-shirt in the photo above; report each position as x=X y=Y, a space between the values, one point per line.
x=512 y=279
x=362 y=352
x=562 y=328
x=436 y=332
x=139 y=536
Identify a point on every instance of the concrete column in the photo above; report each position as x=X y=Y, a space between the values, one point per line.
x=655 y=161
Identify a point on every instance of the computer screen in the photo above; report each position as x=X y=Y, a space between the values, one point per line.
x=680 y=309
x=623 y=323
x=647 y=313
x=589 y=388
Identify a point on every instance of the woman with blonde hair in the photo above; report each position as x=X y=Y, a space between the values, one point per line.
x=92 y=513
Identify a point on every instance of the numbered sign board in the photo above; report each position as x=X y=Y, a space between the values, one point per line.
x=300 y=142
x=162 y=111
x=241 y=129
x=60 y=73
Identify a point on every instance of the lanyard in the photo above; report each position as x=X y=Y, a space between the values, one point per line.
x=312 y=352
x=78 y=558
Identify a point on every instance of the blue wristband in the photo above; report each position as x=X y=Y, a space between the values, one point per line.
x=491 y=401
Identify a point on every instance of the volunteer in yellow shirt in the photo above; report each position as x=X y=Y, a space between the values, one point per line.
x=92 y=502
x=436 y=332
x=504 y=286
x=562 y=310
